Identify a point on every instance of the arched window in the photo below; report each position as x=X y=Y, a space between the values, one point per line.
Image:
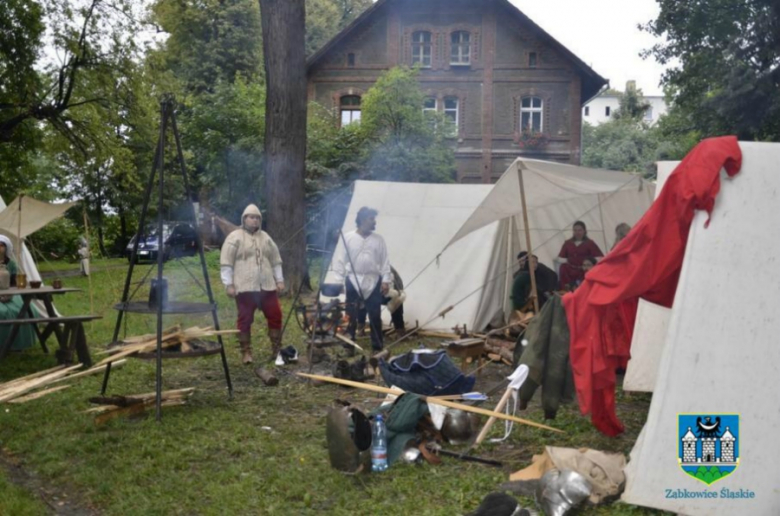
x=421 y=48
x=350 y=109
x=460 y=49
x=531 y=111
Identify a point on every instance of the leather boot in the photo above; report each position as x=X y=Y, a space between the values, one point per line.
x=275 y=337
x=245 y=341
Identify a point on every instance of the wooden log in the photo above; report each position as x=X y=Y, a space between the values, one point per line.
x=39 y=394
x=444 y=403
x=267 y=376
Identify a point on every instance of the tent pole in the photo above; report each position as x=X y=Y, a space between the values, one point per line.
x=603 y=228
x=528 y=242
x=19 y=237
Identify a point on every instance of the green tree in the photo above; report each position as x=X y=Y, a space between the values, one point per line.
x=725 y=54
x=210 y=41
x=326 y=18
x=632 y=106
x=94 y=43
x=403 y=143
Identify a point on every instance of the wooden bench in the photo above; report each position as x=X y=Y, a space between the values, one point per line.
x=466 y=349
x=71 y=336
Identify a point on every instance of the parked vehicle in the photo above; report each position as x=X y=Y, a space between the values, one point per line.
x=179 y=240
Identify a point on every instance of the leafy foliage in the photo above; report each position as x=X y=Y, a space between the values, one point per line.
x=728 y=77
x=403 y=143
x=629 y=144
x=326 y=18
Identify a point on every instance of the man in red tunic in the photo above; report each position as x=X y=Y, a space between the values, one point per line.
x=572 y=254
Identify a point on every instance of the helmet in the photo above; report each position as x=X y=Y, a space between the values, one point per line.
x=459 y=426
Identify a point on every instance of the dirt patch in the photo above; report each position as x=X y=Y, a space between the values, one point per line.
x=61 y=502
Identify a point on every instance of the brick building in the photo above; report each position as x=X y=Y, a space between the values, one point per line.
x=485 y=65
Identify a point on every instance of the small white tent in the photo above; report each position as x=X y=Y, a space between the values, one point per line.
x=462 y=239
x=721 y=354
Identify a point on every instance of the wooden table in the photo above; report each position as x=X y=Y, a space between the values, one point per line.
x=69 y=330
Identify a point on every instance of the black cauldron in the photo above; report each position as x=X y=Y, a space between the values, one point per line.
x=331 y=289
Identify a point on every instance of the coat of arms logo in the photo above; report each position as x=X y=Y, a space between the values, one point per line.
x=708 y=445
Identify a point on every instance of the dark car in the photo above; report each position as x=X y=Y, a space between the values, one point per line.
x=180 y=240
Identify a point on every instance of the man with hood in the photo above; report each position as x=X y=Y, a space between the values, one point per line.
x=365 y=268
x=251 y=270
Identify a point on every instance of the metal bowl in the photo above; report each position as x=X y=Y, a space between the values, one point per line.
x=459 y=426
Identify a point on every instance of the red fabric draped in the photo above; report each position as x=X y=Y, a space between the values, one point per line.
x=646 y=263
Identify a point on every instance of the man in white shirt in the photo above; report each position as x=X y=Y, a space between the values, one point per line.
x=362 y=263
x=251 y=270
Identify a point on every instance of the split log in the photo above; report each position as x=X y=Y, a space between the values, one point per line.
x=39 y=394
x=349 y=341
x=19 y=389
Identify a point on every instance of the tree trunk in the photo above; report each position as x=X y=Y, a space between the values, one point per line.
x=285 y=131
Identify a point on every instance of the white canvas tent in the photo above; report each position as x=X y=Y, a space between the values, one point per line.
x=652 y=322
x=721 y=354
x=477 y=230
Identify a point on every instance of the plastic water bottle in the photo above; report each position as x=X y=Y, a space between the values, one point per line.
x=379 y=445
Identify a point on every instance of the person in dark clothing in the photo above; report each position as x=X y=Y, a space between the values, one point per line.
x=546 y=282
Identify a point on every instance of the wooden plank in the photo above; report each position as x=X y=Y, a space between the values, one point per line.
x=349 y=341
x=26 y=387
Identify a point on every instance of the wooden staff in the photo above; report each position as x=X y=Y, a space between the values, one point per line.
x=499 y=407
x=435 y=401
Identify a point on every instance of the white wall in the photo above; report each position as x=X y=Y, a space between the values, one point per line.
x=594 y=112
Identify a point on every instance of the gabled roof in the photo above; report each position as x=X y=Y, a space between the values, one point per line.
x=592 y=82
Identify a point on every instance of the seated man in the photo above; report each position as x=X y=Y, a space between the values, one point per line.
x=546 y=282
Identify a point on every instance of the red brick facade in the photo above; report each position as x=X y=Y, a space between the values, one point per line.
x=502 y=45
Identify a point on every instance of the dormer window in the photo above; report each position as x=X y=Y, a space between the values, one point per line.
x=460 y=50
x=421 y=48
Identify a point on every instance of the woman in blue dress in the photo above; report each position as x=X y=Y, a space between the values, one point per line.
x=11 y=305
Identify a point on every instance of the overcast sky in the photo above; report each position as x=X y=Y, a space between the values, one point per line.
x=604 y=34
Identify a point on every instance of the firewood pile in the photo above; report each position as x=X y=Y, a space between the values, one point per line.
x=110 y=407
x=37 y=385
x=174 y=339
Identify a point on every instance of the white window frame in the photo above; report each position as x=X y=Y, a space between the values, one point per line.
x=462 y=58
x=450 y=110
x=531 y=110
x=419 y=47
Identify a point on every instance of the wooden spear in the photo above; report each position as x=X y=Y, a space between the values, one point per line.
x=429 y=399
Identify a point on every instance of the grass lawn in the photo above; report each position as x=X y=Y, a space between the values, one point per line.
x=264 y=452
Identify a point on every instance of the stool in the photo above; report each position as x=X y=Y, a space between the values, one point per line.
x=465 y=349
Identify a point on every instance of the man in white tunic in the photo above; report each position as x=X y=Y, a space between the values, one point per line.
x=251 y=270
x=366 y=267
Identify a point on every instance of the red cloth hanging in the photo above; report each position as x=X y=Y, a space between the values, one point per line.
x=645 y=264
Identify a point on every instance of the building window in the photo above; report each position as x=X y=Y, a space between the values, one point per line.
x=532 y=60
x=429 y=105
x=460 y=53
x=587 y=110
x=531 y=109
x=649 y=113
x=350 y=109
x=606 y=111
x=451 y=113
x=350 y=59
x=421 y=48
